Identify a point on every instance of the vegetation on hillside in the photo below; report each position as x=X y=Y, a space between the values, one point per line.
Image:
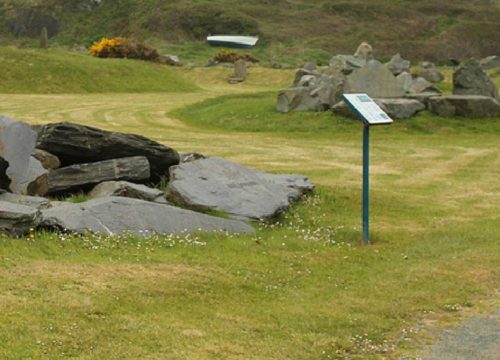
x=424 y=29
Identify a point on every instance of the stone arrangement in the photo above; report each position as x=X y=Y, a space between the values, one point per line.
x=116 y=171
x=400 y=92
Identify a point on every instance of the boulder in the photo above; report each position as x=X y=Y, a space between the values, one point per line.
x=16 y=219
x=490 y=62
x=120 y=215
x=375 y=80
x=347 y=63
x=420 y=85
x=472 y=106
x=77 y=144
x=400 y=108
x=395 y=108
x=241 y=192
x=308 y=80
x=31 y=201
x=48 y=160
x=18 y=169
x=470 y=79
x=422 y=97
x=297 y=99
x=82 y=177
x=364 y=51
x=299 y=74
x=127 y=189
x=432 y=75
x=240 y=72
x=405 y=80
x=398 y=65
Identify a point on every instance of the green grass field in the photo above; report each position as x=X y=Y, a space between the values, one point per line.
x=303 y=287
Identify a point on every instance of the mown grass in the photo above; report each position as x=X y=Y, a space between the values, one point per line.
x=40 y=71
x=303 y=287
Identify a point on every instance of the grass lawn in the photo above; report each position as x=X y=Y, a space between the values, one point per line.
x=303 y=287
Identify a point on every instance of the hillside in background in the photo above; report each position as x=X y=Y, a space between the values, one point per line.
x=418 y=29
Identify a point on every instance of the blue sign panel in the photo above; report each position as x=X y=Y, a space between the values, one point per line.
x=367 y=109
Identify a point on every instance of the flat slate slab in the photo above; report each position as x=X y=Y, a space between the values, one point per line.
x=245 y=193
x=16 y=219
x=118 y=215
x=471 y=106
x=127 y=189
x=31 y=201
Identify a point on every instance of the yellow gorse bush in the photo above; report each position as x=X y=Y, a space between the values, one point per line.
x=121 y=47
x=106 y=47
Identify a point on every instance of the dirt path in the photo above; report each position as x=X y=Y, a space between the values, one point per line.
x=475 y=339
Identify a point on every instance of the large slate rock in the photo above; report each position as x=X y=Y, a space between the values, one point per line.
x=245 y=193
x=472 y=106
x=490 y=62
x=31 y=201
x=422 y=97
x=432 y=75
x=16 y=219
x=84 y=176
x=77 y=144
x=127 y=189
x=18 y=169
x=470 y=79
x=375 y=80
x=398 y=65
x=298 y=99
x=118 y=215
x=347 y=63
x=49 y=161
x=420 y=85
x=405 y=80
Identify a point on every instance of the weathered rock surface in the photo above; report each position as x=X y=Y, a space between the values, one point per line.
x=127 y=189
x=470 y=79
x=187 y=157
x=31 y=201
x=472 y=106
x=77 y=144
x=347 y=63
x=298 y=99
x=364 y=51
x=432 y=75
x=16 y=219
x=420 y=85
x=240 y=72
x=82 y=176
x=405 y=80
x=375 y=80
x=18 y=169
x=490 y=62
x=422 y=97
x=398 y=65
x=218 y=184
x=118 y=215
x=395 y=108
x=48 y=160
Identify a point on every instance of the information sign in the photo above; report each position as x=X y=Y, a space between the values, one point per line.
x=367 y=109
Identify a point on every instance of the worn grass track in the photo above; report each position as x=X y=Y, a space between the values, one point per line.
x=301 y=288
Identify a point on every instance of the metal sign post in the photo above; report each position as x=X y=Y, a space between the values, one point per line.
x=371 y=114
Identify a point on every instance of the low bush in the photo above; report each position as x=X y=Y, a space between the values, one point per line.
x=121 y=47
x=228 y=56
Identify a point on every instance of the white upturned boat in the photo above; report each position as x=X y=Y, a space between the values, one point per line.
x=233 y=41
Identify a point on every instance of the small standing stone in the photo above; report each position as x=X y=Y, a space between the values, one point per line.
x=240 y=72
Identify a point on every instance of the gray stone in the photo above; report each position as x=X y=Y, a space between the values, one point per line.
x=375 y=80
x=81 y=177
x=364 y=51
x=405 y=80
x=420 y=85
x=432 y=75
x=18 y=169
x=400 y=108
x=187 y=157
x=427 y=65
x=398 y=65
x=218 y=184
x=31 y=201
x=422 y=97
x=299 y=74
x=490 y=62
x=16 y=219
x=127 y=189
x=470 y=79
x=297 y=99
x=240 y=72
x=472 y=106
x=119 y=215
x=48 y=160
x=309 y=66
x=77 y=144
x=347 y=63
x=308 y=80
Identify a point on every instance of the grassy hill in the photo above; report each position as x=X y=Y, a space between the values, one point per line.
x=424 y=29
x=40 y=71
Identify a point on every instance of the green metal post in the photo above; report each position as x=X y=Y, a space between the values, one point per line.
x=366 y=183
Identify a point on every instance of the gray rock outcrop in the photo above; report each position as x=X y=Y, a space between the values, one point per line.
x=119 y=215
x=16 y=219
x=398 y=65
x=77 y=144
x=470 y=79
x=84 y=176
x=31 y=201
x=48 y=160
x=375 y=80
x=420 y=85
x=217 y=184
x=127 y=189
x=18 y=169
x=490 y=62
x=471 y=106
